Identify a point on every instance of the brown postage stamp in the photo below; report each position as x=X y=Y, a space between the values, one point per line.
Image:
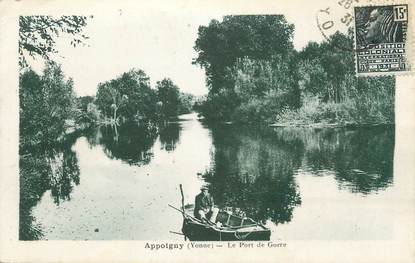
x=381 y=34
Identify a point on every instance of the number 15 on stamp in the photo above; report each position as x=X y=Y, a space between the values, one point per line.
x=400 y=13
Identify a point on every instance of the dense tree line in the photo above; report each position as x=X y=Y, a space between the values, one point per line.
x=130 y=97
x=255 y=75
x=331 y=92
x=49 y=106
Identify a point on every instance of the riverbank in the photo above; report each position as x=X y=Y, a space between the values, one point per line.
x=305 y=124
x=321 y=125
x=348 y=113
x=314 y=113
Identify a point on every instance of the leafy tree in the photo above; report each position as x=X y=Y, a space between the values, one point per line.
x=314 y=79
x=336 y=62
x=219 y=106
x=168 y=94
x=37 y=34
x=128 y=97
x=46 y=101
x=263 y=87
x=221 y=44
x=110 y=99
x=142 y=98
x=32 y=110
x=221 y=47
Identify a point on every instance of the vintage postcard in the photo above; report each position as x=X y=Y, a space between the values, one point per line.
x=207 y=131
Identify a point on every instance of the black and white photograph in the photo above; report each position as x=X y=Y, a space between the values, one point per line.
x=206 y=127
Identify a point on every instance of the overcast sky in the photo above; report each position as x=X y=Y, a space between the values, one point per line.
x=158 y=42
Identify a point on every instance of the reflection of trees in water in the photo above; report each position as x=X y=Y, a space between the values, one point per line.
x=368 y=166
x=33 y=183
x=53 y=169
x=170 y=136
x=362 y=159
x=64 y=171
x=254 y=173
x=56 y=168
x=130 y=142
x=253 y=170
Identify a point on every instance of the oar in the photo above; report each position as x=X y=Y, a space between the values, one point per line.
x=175 y=208
x=181 y=192
x=186 y=214
x=192 y=217
x=177 y=233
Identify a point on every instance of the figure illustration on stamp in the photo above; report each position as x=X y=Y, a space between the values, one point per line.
x=377 y=25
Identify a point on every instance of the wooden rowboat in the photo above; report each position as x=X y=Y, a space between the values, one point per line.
x=227 y=227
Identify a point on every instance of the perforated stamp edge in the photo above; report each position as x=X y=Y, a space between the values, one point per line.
x=409 y=43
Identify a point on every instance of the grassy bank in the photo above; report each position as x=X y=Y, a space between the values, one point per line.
x=372 y=106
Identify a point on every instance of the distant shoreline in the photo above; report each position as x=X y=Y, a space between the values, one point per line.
x=328 y=125
x=296 y=124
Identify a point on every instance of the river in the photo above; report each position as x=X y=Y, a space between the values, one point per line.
x=303 y=183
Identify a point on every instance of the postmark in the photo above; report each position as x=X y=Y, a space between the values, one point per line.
x=381 y=34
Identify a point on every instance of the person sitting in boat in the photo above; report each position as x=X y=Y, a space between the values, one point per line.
x=204 y=206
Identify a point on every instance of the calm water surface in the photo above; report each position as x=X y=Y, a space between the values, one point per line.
x=322 y=184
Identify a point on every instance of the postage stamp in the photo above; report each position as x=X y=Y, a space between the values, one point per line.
x=381 y=39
